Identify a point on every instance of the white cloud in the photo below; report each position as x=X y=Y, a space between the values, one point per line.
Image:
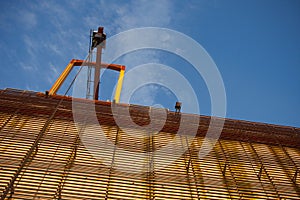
x=27 y=18
x=148 y=91
x=30 y=45
x=136 y=14
x=54 y=47
x=53 y=31
x=11 y=16
x=53 y=73
x=27 y=67
x=51 y=36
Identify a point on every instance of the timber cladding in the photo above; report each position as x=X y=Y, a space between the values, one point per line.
x=43 y=157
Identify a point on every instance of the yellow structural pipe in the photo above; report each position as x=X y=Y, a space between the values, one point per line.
x=62 y=78
x=119 y=85
x=75 y=62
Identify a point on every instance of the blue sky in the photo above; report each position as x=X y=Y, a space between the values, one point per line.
x=255 y=45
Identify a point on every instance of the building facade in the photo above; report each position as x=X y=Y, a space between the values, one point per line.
x=43 y=155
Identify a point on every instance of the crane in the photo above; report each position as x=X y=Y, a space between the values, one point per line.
x=98 y=40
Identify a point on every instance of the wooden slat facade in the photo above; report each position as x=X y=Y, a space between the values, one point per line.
x=43 y=157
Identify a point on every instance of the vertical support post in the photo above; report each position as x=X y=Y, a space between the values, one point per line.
x=97 y=72
x=98 y=42
x=119 y=85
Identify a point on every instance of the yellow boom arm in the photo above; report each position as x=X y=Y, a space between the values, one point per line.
x=58 y=83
